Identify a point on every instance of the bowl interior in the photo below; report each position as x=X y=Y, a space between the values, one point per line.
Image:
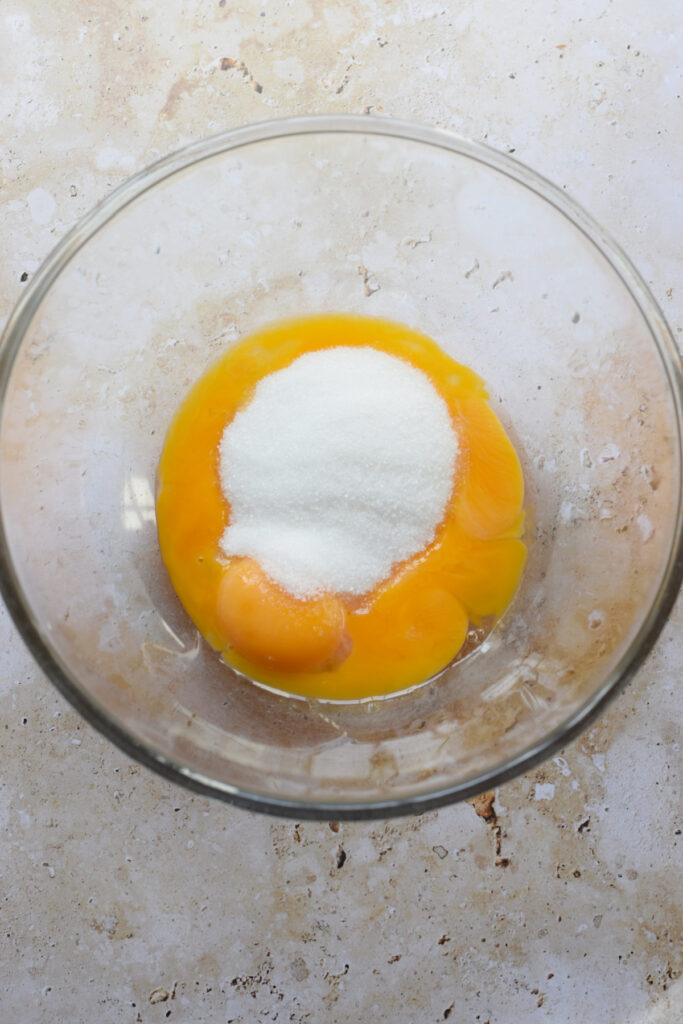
x=436 y=234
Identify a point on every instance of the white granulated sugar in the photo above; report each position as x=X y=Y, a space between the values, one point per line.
x=340 y=466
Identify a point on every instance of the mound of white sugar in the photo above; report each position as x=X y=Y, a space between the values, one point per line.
x=340 y=466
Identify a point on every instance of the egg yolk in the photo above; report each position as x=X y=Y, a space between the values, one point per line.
x=415 y=623
x=274 y=631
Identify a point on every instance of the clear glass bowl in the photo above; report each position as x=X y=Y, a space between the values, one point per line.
x=360 y=215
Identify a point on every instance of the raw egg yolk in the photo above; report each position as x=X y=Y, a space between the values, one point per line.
x=275 y=631
x=334 y=647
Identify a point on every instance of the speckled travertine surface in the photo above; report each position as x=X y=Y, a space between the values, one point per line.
x=125 y=899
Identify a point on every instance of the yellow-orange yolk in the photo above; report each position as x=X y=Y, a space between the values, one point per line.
x=274 y=631
x=334 y=646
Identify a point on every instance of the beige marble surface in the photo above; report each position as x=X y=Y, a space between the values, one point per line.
x=124 y=899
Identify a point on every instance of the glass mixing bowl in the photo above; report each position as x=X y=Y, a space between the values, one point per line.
x=358 y=215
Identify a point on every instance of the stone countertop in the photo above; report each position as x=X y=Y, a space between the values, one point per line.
x=125 y=899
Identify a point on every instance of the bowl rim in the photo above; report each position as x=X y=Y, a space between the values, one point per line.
x=36 y=638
